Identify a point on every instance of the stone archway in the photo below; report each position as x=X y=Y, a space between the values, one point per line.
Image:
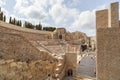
x=70 y=72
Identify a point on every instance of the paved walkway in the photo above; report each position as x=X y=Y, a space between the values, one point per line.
x=87 y=65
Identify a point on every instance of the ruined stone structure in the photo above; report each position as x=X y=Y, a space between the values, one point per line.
x=61 y=33
x=92 y=43
x=27 y=54
x=108 y=43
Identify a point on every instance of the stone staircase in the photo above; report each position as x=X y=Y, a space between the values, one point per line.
x=54 y=49
x=57 y=52
x=59 y=69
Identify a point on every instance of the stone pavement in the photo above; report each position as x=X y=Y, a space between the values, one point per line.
x=87 y=65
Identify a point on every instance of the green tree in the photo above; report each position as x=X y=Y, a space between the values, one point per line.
x=20 y=23
x=44 y=28
x=10 y=20
x=0 y=9
x=29 y=25
x=4 y=18
x=39 y=27
x=49 y=28
x=14 y=21
x=1 y=16
x=17 y=23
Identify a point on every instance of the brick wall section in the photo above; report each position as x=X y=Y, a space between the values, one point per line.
x=14 y=46
x=108 y=54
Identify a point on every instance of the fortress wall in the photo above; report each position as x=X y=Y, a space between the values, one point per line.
x=14 y=46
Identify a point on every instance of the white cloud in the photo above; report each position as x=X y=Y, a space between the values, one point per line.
x=26 y=8
x=75 y=2
x=35 y=9
x=2 y=2
x=58 y=12
x=42 y=10
x=61 y=14
x=85 y=21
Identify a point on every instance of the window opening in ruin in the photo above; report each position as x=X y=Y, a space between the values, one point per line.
x=60 y=36
x=83 y=47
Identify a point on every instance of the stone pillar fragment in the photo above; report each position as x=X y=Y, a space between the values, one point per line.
x=102 y=19
x=113 y=15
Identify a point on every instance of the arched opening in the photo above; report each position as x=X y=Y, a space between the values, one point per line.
x=70 y=72
x=60 y=36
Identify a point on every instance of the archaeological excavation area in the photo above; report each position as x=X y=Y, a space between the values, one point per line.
x=27 y=54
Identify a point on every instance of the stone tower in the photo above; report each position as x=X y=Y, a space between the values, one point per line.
x=108 y=43
x=71 y=59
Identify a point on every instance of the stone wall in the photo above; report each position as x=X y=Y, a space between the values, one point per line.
x=20 y=60
x=71 y=59
x=68 y=36
x=14 y=46
x=108 y=45
x=28 y=35
x=35 y=70
x=102 y=19
x=23 y=46
x=113 y=15
x=108 y=54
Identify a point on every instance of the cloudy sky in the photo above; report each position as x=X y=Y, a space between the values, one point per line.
x=74 y=15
